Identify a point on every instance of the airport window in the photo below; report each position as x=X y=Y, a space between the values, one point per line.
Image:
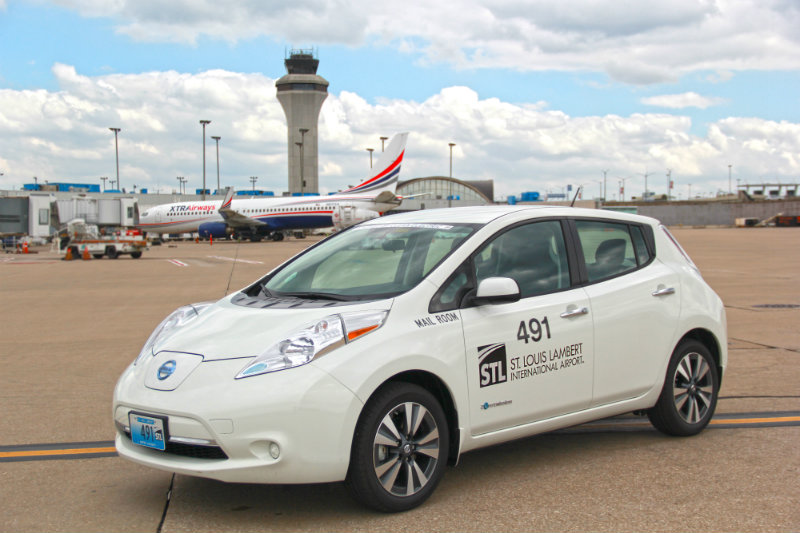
x=44 y=216
x=607 y=248
x=533 y=255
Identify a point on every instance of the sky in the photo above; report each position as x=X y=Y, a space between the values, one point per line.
x=536 y=95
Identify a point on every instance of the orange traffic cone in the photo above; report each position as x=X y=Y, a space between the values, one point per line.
x=86 y=255
x=210 y=240
x=24 y=247
x=68 y=255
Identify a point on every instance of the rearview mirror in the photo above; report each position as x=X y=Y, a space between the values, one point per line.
x=497 y=291
x=393 y=245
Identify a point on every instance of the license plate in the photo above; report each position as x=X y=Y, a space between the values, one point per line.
x=148 y=430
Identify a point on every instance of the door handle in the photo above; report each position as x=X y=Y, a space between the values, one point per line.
x=664 y=291
x=569 y=313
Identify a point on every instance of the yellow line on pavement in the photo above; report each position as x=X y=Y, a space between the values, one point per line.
x=70 y=451
x=755 y=420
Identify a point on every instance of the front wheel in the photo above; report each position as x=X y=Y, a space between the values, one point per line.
x=400 y=449
x=689 y=396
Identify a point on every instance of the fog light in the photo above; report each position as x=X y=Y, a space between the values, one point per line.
x=274 y=450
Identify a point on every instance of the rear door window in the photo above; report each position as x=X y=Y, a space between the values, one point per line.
x=608 y=248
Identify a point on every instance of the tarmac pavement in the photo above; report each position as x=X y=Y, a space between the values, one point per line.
x=70 y=328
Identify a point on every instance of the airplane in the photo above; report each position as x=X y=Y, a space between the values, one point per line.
x=259 y=218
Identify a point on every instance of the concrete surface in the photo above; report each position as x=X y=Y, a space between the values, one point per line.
x=70 y=328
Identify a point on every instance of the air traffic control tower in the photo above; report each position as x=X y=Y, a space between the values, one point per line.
x=301 y=93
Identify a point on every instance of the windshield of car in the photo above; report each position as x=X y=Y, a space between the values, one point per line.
x=368 y=261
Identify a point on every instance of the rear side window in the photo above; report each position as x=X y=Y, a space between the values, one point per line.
x=642 y=254
x=608 y=248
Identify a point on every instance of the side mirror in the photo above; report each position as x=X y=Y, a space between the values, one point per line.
x=496 y=291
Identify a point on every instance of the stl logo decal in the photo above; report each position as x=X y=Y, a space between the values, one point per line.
x=492 y=364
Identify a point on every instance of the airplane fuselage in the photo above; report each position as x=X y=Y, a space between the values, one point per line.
x=274 y=214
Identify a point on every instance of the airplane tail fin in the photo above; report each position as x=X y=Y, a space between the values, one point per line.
x=225 y=207
x=387 y=169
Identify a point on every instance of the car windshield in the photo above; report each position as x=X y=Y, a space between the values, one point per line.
x=369 y=261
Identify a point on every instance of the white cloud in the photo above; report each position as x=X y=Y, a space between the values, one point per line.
x=633 y=41
x=63 y=136
x=682 y=101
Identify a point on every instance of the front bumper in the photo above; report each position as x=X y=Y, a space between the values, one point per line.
x=307 y=413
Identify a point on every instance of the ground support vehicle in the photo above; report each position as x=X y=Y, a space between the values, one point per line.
x=380 y=354
x=78 y=238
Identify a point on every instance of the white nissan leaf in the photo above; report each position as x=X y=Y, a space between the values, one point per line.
x=379 y=355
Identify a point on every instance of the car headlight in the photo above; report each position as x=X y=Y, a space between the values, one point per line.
x=314 y=340
x=178 y=318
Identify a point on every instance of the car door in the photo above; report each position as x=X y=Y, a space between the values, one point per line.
x=531 y=359
x=635 y=308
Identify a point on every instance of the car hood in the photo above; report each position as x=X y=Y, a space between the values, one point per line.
x=229 y=331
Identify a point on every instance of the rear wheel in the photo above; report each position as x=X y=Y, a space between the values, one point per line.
x=277 y=236
x=136 y=255
x=111 y=252
x=689 y=396
x=399 y=449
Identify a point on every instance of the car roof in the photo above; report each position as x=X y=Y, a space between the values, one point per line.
x=486 y=214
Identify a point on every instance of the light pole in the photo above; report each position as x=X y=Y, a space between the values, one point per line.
x=690 y=191
x=116 y=149
x=217 y=138
x=669 y=182
x=622 y=187
x=370 y=150
x=644 y=196
x=450 y=196
x=179 y=184
x=383 y=140
x=605 y=185
x=183 y=184
x=253 y=180
x=103 y=179
x=203 y=123
x=730 y=190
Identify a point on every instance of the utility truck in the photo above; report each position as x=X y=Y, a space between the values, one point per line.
x=77 y=238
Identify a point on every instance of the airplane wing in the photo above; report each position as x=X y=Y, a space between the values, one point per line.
x=233 y=218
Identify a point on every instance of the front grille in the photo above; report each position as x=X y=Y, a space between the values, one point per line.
x=192 y=450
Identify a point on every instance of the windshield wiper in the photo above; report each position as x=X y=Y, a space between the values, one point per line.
x=317 y=296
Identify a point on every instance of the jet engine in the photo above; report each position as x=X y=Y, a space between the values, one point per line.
x=218 y=230
x=345 y=216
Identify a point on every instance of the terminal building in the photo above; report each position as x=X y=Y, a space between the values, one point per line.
x=440 y=191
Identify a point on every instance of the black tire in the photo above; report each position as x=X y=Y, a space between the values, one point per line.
x=111 y=252
x=277 y=236
x=255 y=238
x=136 y=255
x=387 y=460
x=689 y=396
